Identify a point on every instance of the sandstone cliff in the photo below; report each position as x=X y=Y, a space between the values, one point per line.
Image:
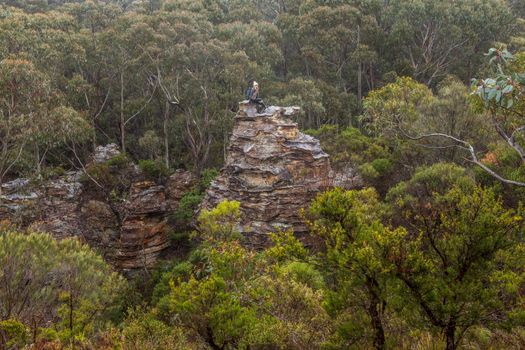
x=130 y=229
x=272 y=169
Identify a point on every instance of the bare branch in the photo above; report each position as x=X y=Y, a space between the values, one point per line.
x=103 y=104
x=473 y=158
x=143 y=106
x=73 y=149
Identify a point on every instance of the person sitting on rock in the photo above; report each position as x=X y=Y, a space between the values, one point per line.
x=253 y=96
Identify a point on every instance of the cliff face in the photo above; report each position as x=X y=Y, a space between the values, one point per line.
x=272 y=169
x=130 y=231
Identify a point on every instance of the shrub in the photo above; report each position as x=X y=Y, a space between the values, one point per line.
x=100 y=174
x=382 y=165
x=187 y=206
x=15 y=333
x=191 y=200
x=53 y=172
x=143 y=331
x=153 y=169
x=63 y=286
x=120 y=161
x=207 y=176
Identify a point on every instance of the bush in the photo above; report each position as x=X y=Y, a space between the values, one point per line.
x=191 y=200
x=143 y=331
x=64 y=280
x=187 y=206
x=100 y=174
x=153 y=169
x=207 y=176
x=119 y=161
x=53 y=172
x=382 y=166
x=15 y=333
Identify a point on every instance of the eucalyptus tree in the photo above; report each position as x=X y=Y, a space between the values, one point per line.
x=431 y=38
x=24 y=94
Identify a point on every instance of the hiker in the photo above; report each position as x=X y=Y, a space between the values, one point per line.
x=253 y=96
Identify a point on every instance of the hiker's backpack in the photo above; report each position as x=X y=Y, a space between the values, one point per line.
x=249 y=93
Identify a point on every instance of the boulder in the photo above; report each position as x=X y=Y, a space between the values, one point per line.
x=104 y=153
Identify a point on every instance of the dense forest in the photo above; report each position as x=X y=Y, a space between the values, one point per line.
x=425 y=99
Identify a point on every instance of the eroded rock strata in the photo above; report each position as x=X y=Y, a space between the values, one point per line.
x=272 y=169
x=130 y=231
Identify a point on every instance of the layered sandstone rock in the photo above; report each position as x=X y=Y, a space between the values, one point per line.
x=131 y=231
x=177 y=185
x=272 y=169
x=143 y=234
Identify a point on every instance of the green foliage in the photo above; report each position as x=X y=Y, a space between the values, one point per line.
x=14 y=333
x=153 y=169
x=110 y=178
x=207 y=176
x=303 y=273
x=502 y=98
x=100 y=174
x=140 y=73
x=221 y=223
x=227 y=296
x=427 y=181
x=504 y=89
x=143 y=331
x=461 y=252
x=304 y=93
x=120 y=161
x=187 y=206
x=377 y=168
x=191 y=200
x=395 y=106
x=41 y=277
x=151 y=143
x=357 y=247
x=162 y=79
x=460 y=238
x=285 y=247
x=349 y=145
x=55 y=172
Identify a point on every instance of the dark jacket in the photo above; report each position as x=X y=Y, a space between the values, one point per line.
x=255 y=94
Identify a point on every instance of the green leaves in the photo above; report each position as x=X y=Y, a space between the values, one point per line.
x=41 y=277
x=221 y=223
x=459 y=233
x=503 y=90
x=396 y=106
x=244 y=299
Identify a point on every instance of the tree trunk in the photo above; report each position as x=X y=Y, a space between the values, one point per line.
x=37 y=156
x=165 y=130
x=372 y=81
x=359 y=84
x=94 y=134
x=122 y=131
x=375 y=317
x=450 y=335
x=359 y=72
